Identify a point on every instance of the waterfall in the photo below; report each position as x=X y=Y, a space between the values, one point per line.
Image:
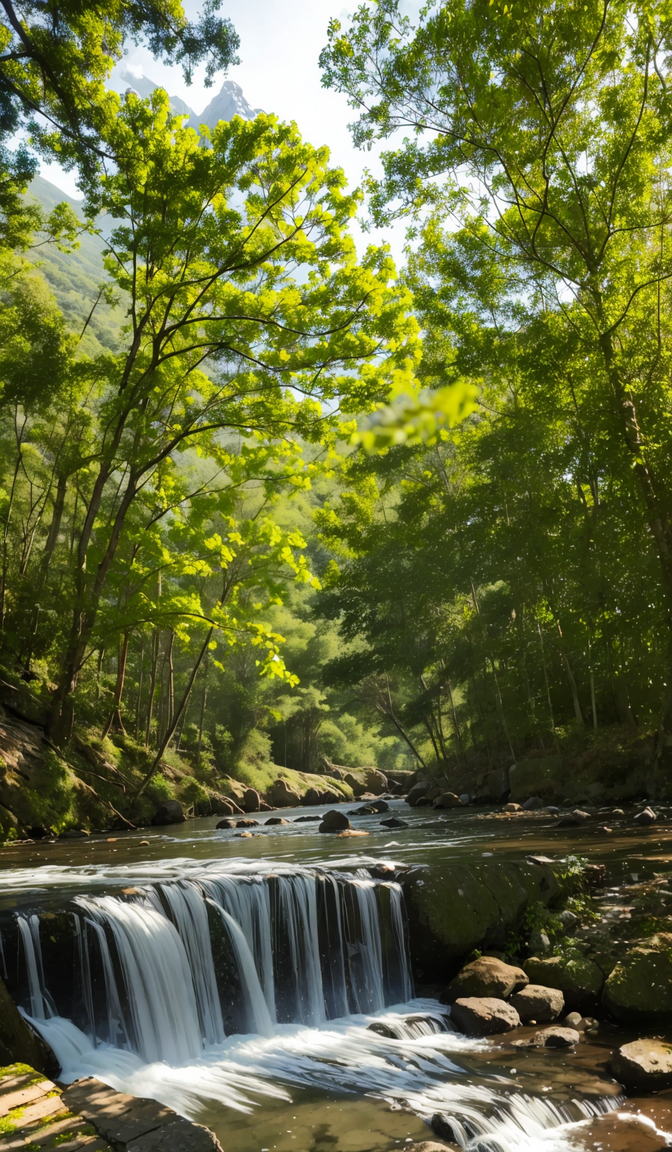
x=237 y=984
x=170 y=968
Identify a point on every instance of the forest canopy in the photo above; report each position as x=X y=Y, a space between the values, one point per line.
x=298 y=503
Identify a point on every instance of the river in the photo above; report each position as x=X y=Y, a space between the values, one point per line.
x=236 y=978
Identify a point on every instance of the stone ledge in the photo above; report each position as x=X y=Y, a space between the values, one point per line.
x=133 y=1124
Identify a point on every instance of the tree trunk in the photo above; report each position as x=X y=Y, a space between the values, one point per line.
x=114 y=719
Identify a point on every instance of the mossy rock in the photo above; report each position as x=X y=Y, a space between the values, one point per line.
x=454 y=908
x=577 y=977
x=639 y=989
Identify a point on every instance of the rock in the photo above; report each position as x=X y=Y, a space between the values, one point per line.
x=380 y=806
x=568 y=821
x=134 y=1123
x=251 y=799
x=465 y=798
x=580 y=815
x=247 y=823
x=394 y=822
x=555 y=1038
x=383 y=1030
x=18 y=1042
x=643 y=1064
x=312 y=796
x=539 y=942
x=363 y=810
x=573 y=1019
x=334 y=821
x=264 y=807
x=327 y=797
x=304 y=819
x=226 y=824
x=382 y=871
x=453 y=908
x=617 y=812
x=535 y=1002
x=512 y=808
x=580 y=980
x=425 y=1146
x=418 y=791
x=447 y=800
x=448 y=1129
x=486 y=976
x=533 y=804
x=81 y=834
x=280 y=795
x=277 y=820
x=170 y=812
x=640 y=986
x=647 y=816
x=483 y=1016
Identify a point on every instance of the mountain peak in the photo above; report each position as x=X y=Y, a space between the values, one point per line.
x=229 y=101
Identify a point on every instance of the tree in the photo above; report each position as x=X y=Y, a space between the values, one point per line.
x=544 y=132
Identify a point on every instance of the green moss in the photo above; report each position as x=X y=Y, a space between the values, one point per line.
x=640 y=985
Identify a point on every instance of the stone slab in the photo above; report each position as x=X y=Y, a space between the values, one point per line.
x=137 y=1124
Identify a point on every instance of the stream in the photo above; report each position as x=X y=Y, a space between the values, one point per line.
x=236 y=979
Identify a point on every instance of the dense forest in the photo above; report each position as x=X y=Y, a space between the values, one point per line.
x=265 y=498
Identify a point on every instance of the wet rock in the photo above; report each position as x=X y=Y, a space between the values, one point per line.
x=334 y=821
x=535 y=1002
x=573 y=1019
x=483 y=1016
x=383 y=1030
x=617 y=812
x=382 y=871
x=581 y=815
x=18 y=1042
x=643 y=1064
x=486 y=976
x=251 y=800
x=557 y=1037
x=280 y=795
x=225 y=824
x=645 y=817
x=418 y=791
x=465 y=798
x=363 y=810
x=306 y=819
x=170 y=812
x=447 y=1128
x=639 y=988
x=277 y=820
x=568 y=821
x=380 y=806
x=533 y=804
x=580 y=980
x=447 y=800
x=136 y=1124
x=247 y=823
x=510 y=807
x=394 y=822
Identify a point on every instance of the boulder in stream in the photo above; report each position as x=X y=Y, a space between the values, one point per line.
x=533 y=804
x=535 y=1002
x=334 y=821
x=418 y=792
x=170 y=812
x=483 y=1016
x=645 y=817
x=447 y=800
x=277 y=820
x=394 y=822
x=640 y=986
x=486 y=976
x=558 y=1037
x=643 y=1064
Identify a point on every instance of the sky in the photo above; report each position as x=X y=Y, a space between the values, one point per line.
x=279 y=72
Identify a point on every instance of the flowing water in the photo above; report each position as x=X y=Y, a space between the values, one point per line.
x=262 y=985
